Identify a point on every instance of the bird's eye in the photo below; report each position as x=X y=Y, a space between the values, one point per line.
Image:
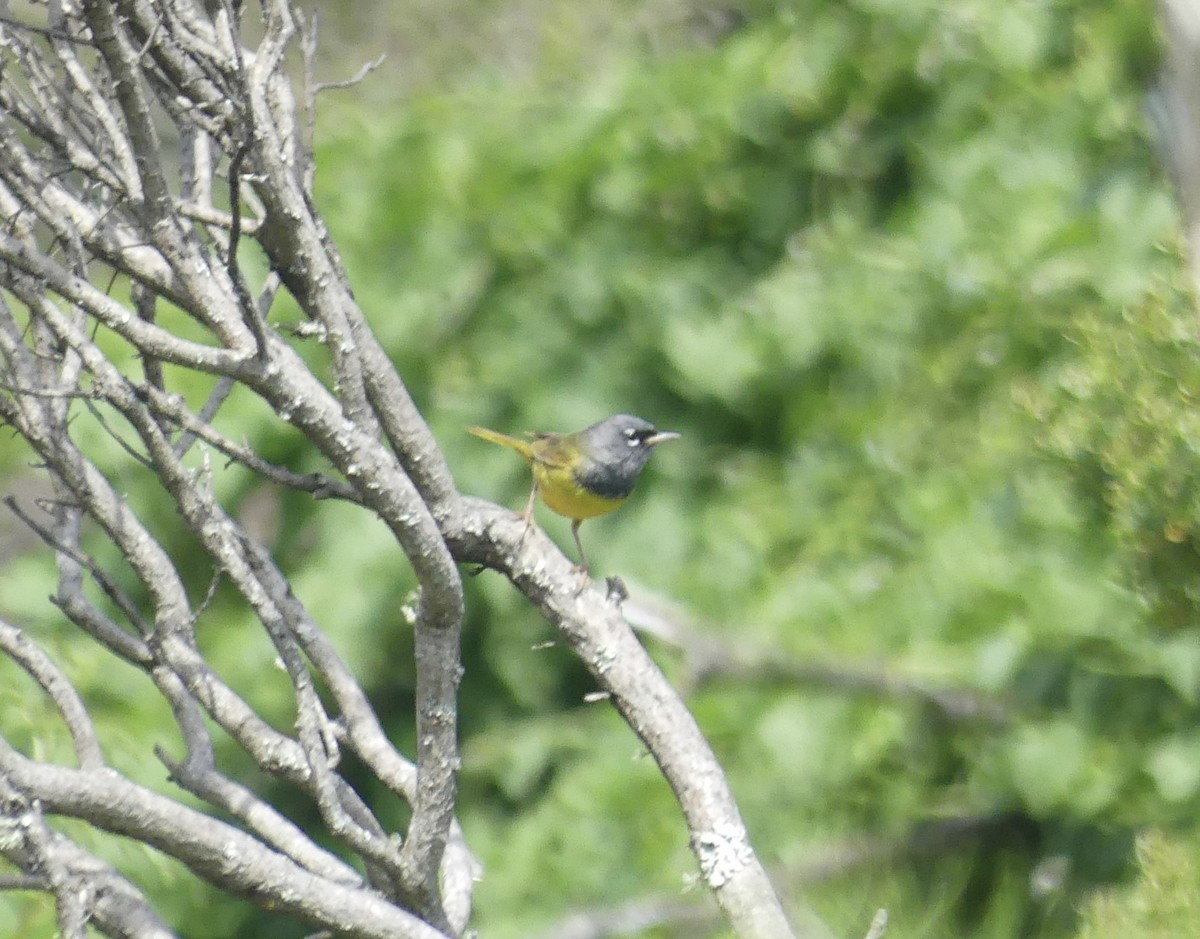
x=631 y=436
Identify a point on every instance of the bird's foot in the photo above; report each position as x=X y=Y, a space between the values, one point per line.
x=615 y=591
x=581 y=572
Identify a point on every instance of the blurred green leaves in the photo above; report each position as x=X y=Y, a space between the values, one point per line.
x=1162 y=903
x=906 y=275
x=898 y=273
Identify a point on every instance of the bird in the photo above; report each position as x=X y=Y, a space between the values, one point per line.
x=587 y=473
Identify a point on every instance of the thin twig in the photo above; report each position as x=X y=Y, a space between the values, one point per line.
x=22 y=882
x=169 y=406
x=42 y=669
x=103 y=580
x=879 y=924
x=357 y=78
x=198 y=774
x=250 y=314
x=49 y=33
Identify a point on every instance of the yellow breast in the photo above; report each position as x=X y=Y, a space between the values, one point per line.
x=561 y=491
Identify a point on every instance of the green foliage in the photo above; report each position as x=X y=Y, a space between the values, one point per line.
x=866 y=257
x=1163 y=903
x=1122 y=412
x=905 y=275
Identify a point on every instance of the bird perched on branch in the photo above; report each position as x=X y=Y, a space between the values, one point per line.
x=587 y=473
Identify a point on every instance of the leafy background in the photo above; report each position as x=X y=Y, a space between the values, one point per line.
x=908 y=277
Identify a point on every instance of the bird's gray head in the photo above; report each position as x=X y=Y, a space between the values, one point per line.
x=616 y=450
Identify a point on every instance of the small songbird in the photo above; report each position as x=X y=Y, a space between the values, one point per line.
x=587 y=473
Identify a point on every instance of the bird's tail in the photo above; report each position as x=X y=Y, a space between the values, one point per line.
x=513 y=443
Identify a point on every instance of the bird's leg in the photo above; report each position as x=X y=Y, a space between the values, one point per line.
x=582 y=566
x=527 y=515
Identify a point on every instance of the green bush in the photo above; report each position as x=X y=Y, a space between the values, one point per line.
x=905 y=275
x=894 y=270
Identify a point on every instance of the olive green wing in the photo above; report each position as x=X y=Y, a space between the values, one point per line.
x=557 y=450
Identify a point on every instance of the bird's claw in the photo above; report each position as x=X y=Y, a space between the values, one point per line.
x=615 y=592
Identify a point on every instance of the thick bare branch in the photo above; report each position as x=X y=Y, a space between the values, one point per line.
x=147 y=338
x=598 y=633
x=93 y=891
x=217 y=852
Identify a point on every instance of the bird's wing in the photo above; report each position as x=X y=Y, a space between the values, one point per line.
x=554 y=450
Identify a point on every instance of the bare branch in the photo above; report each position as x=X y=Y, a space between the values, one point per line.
x=357 y=78
x=69 y=550
x=829 y=862
x=878 y=927
x=22 y=882
x=106 y=194
x=217 y=852
x=41 y=668
x=172 y=408
x=89 y=197
x=145 y=337
x=199 y=775
x=597 y=632
x=1179 y=115
x=86 y=888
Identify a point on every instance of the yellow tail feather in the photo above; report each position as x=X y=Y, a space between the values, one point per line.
x=523 y=447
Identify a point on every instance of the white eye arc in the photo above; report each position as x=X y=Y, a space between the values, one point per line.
x=636 y=437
